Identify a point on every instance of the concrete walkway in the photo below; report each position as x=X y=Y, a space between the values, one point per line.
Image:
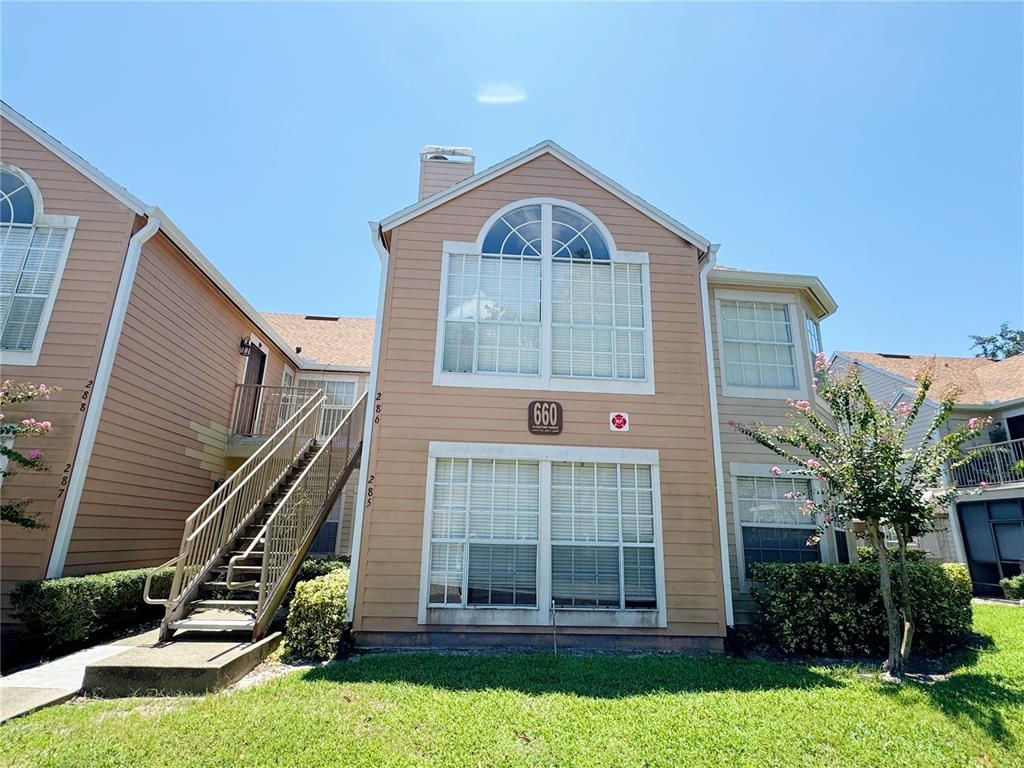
x=50 y=683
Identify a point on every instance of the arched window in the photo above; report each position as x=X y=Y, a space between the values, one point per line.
x=544 y=293
x=16 y=203
x=32 y=255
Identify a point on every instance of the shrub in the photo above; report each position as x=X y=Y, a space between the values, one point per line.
x=868 y=555
x=70 y=612
x=1013 y=587
x=836 y=610
x=313 y=567
x=316 y=616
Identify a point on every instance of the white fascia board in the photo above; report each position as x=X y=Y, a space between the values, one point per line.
x=91 y=172
x=808 y=283
x=216 y=277
x=545 y=147
x=310 y=366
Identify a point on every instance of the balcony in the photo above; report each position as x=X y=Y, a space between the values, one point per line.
x=992 y=464
x=260 y=409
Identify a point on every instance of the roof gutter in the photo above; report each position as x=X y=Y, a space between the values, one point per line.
x=711 y=256
x=377 y=239
x=101 y=382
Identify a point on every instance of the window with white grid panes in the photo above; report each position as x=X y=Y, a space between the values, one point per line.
x=602 y=536
x=494 y=302
x=30 y=257
x=758 y=344
x=773 y=527
x=484 y=533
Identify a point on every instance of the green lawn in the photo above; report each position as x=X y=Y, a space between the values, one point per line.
x=560 y=711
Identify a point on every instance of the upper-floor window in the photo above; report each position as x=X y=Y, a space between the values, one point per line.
x=544 y=293
x=33 y=249
x=758 y=344
x=814 y=345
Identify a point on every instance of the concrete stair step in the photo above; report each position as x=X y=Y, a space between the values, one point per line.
x=213 y=624
x=223 y=603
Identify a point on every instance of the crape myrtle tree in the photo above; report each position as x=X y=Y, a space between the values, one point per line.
x=12 y=393
x=870 y=474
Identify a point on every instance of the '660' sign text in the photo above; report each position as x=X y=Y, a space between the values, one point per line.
x=544 y=417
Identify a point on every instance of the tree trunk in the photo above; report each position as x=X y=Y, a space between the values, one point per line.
x=906 y=607
x=893 y=666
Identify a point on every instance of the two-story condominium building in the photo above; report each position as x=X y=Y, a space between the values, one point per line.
x=554 y=366
x=170 y=379
x=985 y=530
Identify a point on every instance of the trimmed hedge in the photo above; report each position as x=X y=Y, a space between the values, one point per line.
x=1013 y=587
x=316 y=616
x=73 y=611
x=836 y=610
x=867 y=555
x=313 y=567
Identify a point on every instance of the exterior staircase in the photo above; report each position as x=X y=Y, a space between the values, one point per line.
x=242 y=547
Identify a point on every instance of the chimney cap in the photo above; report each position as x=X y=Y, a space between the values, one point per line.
x=447 y=153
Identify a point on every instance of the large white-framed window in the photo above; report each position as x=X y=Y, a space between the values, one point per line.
x=760 y=347
x=33 y=251
x=527 y=534
x=769 y=524
x=544 y=299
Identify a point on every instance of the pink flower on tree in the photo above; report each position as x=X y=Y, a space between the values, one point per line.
x=808 y=507
x=792 y=495
x=903 y=409
x=776 y=471
x=813 y=464
x=35 y=453
x=821 y=363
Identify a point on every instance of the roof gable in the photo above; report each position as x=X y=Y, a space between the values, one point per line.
x=551 y=148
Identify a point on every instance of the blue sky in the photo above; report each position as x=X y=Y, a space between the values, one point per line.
x=877 y=146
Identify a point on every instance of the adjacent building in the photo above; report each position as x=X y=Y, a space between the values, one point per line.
x=168 y=376
x=985 y=529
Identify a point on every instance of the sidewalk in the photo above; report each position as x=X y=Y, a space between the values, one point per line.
x=50 y=683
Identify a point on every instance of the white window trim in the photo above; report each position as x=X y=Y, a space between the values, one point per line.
x=544 y=378
x=796 y=316
x=30 y=357
x=544 y=613
x=742 y=469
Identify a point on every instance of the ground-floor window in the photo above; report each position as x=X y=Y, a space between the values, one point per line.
x=771 y=525
x=557 y=529
x=774 y=529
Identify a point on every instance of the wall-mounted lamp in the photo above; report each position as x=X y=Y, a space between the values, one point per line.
x=298 y=350
x=245 y=347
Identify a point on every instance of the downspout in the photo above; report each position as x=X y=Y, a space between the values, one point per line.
x=716 y=437
x=364 y=459
x=101 y=382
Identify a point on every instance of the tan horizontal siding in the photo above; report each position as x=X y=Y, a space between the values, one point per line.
x=674 y=421
x=739 y=448
x=173 y=381
x=71 y=346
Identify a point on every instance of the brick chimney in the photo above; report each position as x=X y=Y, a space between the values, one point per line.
x=442 y=167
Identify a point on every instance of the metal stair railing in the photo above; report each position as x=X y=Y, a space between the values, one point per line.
x=215 y=524
x=290 y=529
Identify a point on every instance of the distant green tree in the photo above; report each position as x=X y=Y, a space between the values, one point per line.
x=1007 y=343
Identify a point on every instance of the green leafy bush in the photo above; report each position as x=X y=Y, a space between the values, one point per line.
x=836 y=610
x=70 y=612
x=867 y=555
x=316 y=616
x=1013 y=587
x=313 y=567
